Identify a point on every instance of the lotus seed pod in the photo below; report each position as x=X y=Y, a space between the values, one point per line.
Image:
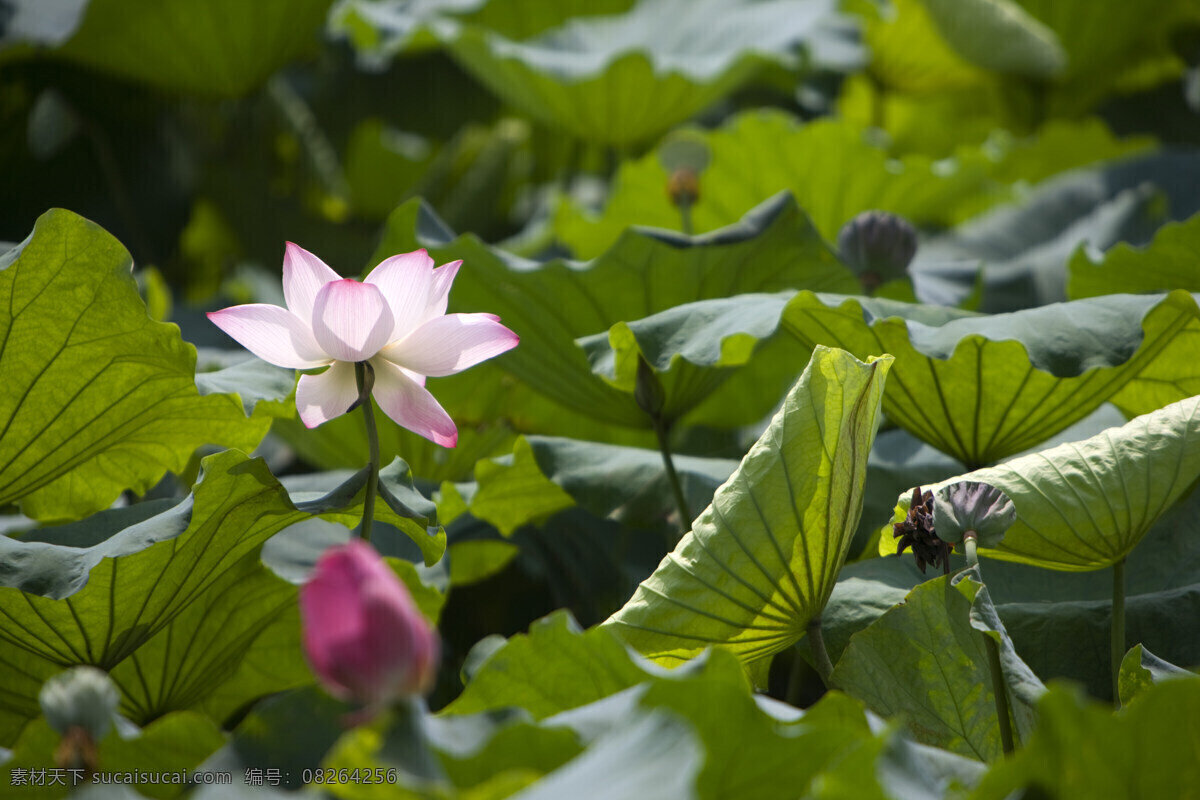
x=81 y=697
x=877 y=246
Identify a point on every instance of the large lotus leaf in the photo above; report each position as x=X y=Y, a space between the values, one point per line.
x=591 y=76
x=1081 y=749
x=556 y=667
x=88 y=594
x=1086 y=505
x=761 y=560
x=926 y=659
x=172 y=745
x=981 y=388
x=1115 y=47
x=832 y=167
x=998 y=36
x=236 y=643
x=98 y=397
x=1171 y=261
x=909 y=53
x=1026 y=246
x=697 y=350
x=550 y=305
x=1141 y=669
x=380 y=29
x=545 y=475
x=210 y=47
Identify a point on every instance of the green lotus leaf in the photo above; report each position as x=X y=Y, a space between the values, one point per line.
x=85 y=593
x=590 y=77
x=925 y=658
x=1125 y=750
x=1086 y=505
x=545 y=475
x=981 y=388
x=999 y=36
x=198 y=46
x=832 y=168
x=761 y=560
x=381 y=30
x=1026 y=246
x=1168 y=262
x=551 y=305
x=712 y=356
x=98 y=397
x=1141 y=669
x=237 y=642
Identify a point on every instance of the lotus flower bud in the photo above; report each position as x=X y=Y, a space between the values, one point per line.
x=684 y=155
x=363 y=634
x=81 y=697
x=878 y=246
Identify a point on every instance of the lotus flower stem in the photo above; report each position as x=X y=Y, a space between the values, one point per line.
x=816 y=640
x=999 y=689
x=1118 y=628
x=664 y=446
x=685 y=218
x=364 y=375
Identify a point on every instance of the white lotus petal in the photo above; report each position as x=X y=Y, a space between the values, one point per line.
x=303 y=276
x=450 y=344
x=320 y=398
x=411 y=406
x=405 y=281
x=439 y=292
x=273 y=334
x=351 y=320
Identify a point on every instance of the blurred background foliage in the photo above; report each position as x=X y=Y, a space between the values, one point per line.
x=203 y=134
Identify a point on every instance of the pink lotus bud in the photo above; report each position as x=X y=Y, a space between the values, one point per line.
x=364 y=636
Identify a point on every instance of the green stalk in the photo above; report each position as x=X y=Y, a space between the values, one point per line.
x=999 y=689
x=685 y=217
x=364 y=375
x=816 y=640
x=664 y=447
x=1118 y=628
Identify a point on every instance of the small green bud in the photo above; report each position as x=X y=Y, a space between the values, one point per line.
x=81 y=697
x=648 y=392
x=877 y=246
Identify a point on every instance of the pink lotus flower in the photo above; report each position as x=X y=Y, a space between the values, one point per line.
x=363 y=634
x=396 y=320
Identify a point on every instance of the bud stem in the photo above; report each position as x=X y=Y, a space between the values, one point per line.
x=999 y=688
x=365 y=377
x=685 y=217
x=664 y=446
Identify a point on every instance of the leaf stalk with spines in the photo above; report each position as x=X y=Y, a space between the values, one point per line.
x=999 y=690
x=816 y=640
x=364 y=375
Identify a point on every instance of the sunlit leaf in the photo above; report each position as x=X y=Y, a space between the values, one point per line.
x=1168 y=262
x=760 y=562
x=1086 y=505
x=1141 y=669
x=98 y=397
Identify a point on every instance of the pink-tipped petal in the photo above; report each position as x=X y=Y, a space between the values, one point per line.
x=351 y=320
x=412 y=406
x=439 y=292
x=405 y=281
x=272 y=333
x=320 y=398
x=450 y=344
x=303 y=276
